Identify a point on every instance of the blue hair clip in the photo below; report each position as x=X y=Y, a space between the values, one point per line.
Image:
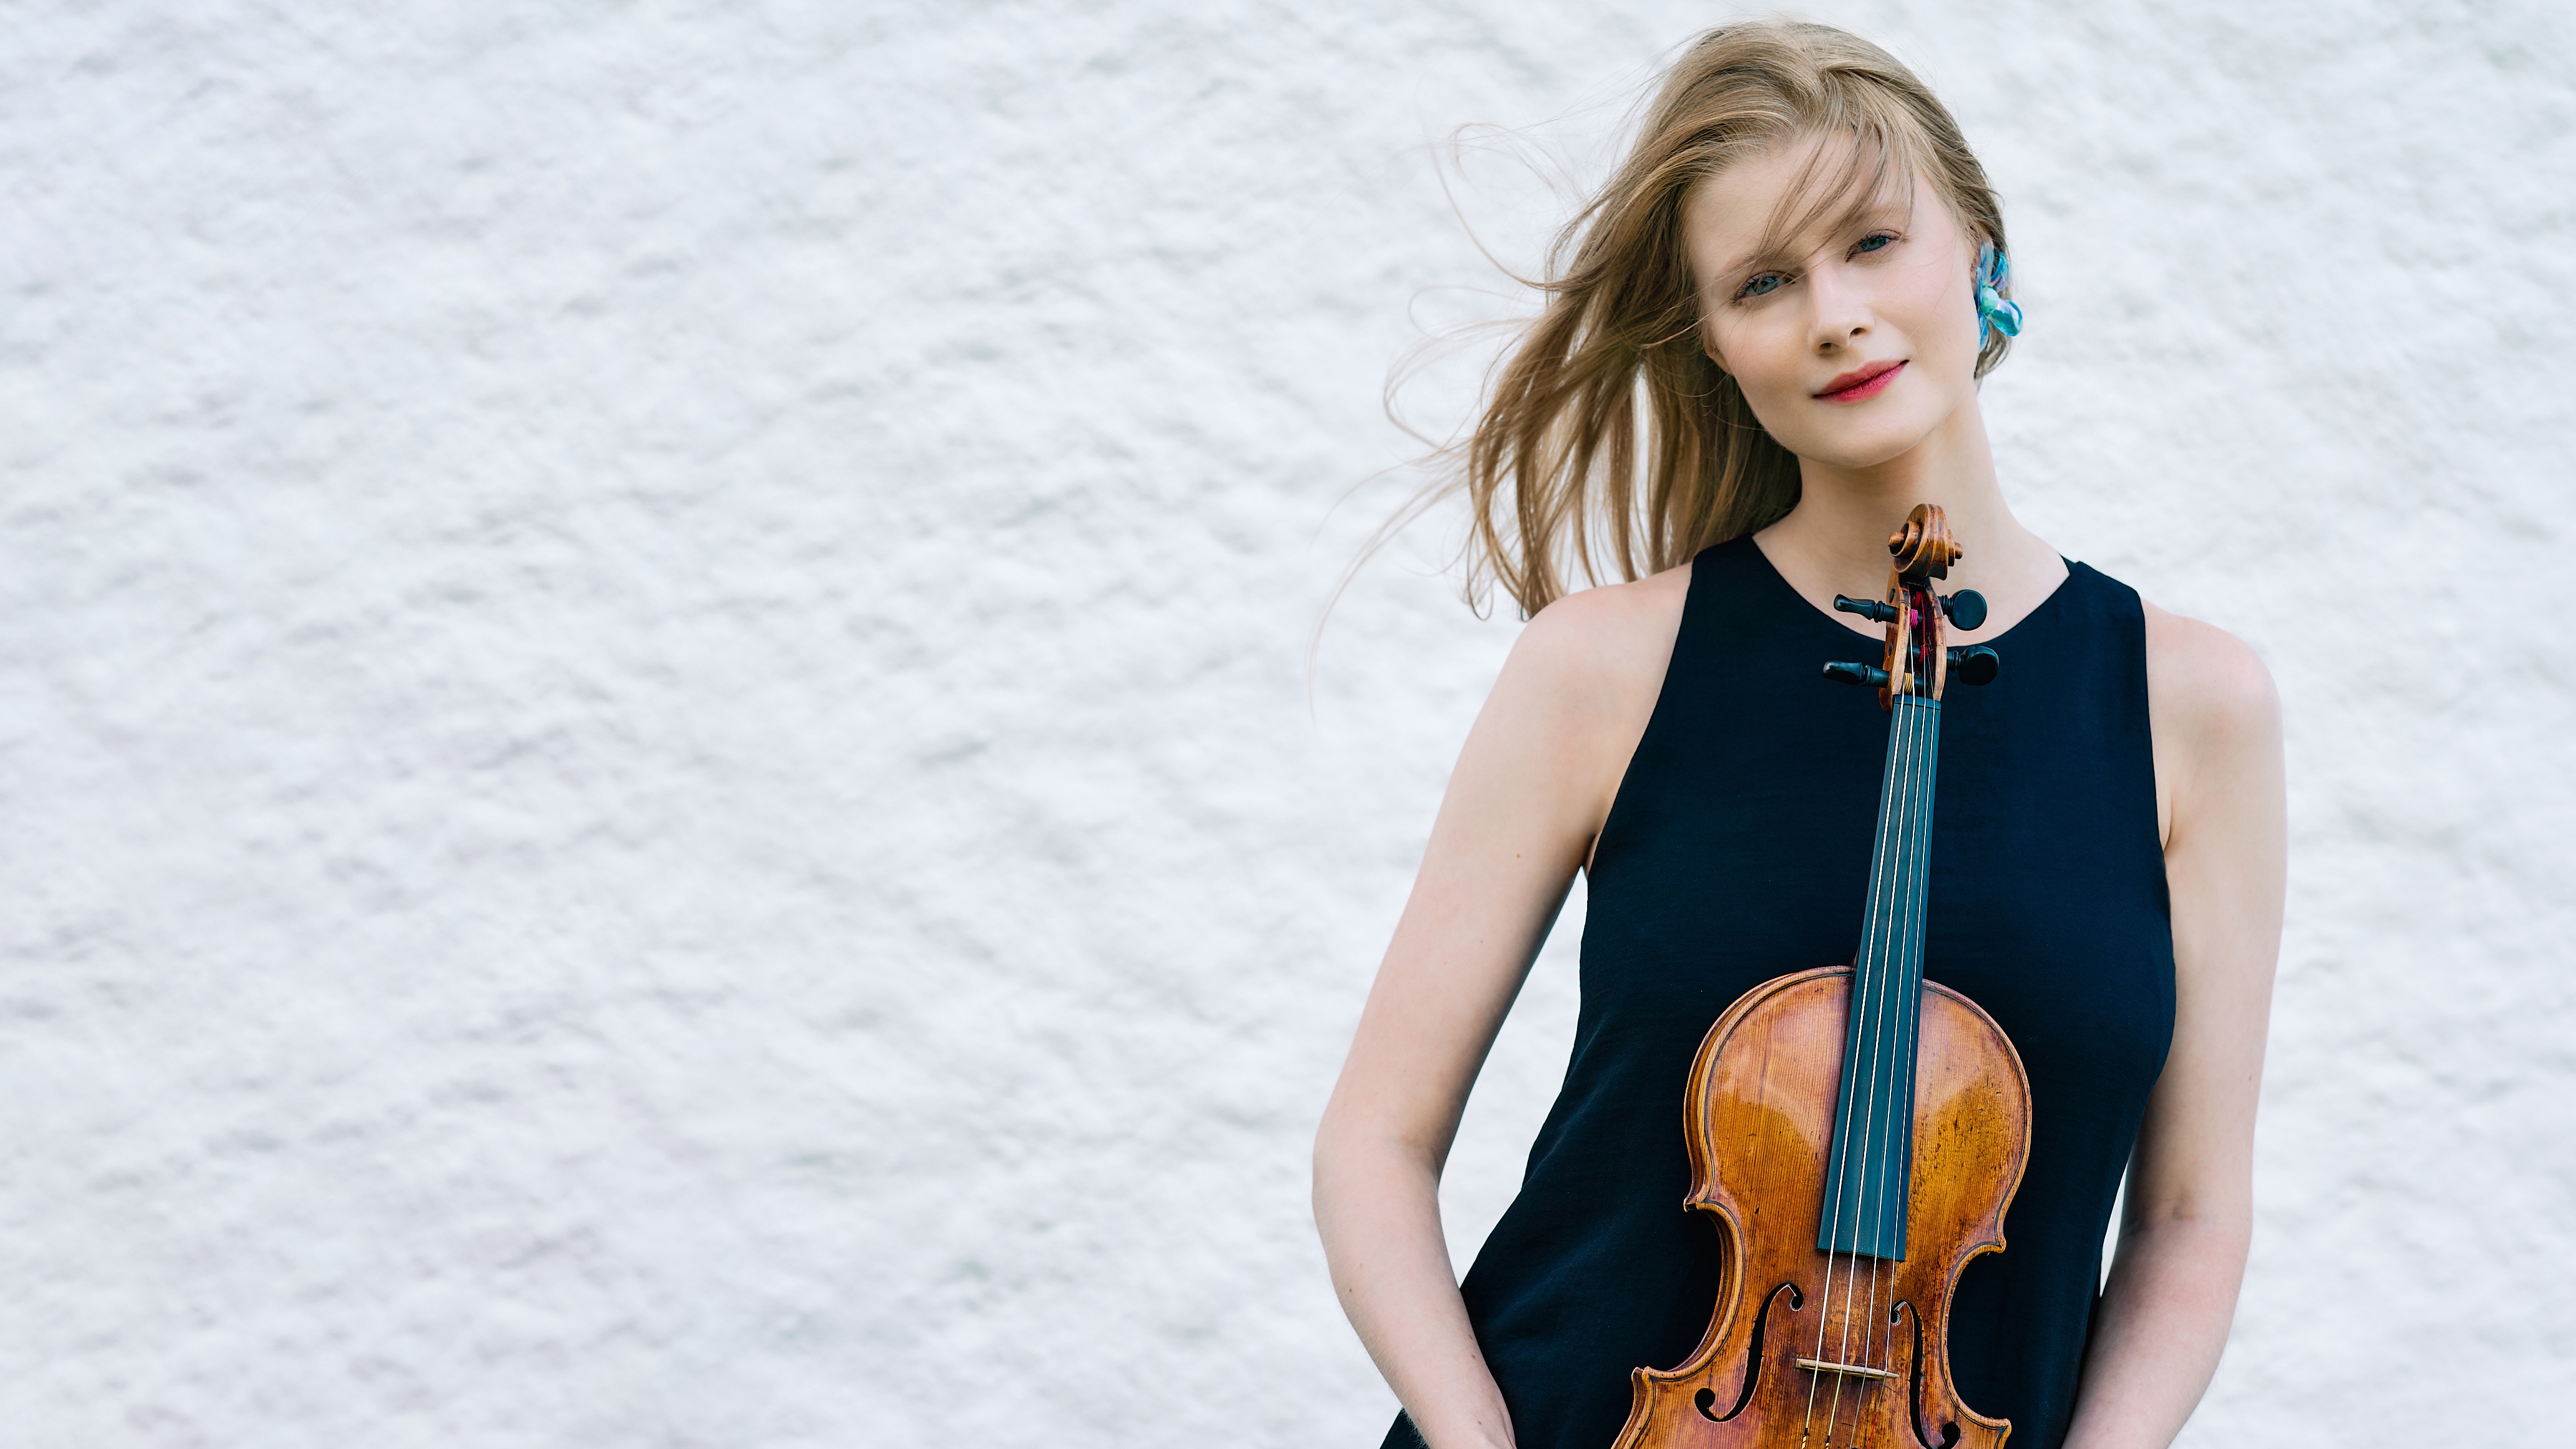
x=1994 y=309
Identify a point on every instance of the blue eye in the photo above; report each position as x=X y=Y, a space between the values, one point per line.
x=1763 y=285
x=1875 y=241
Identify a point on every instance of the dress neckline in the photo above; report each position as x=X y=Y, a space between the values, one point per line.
x=1808 y=608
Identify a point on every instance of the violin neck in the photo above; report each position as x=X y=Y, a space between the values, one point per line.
x=1873 y=1154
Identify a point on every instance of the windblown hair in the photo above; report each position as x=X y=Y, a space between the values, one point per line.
x=1609 y=429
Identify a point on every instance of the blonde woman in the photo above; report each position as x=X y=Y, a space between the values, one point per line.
x=1761 y=351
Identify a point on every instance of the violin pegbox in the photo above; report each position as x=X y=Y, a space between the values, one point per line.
x=1916 y=662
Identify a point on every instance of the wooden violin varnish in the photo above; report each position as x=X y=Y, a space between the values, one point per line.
x=1855 y=1131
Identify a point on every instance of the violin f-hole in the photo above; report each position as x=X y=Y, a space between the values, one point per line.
x=1914 y=1410
x=1705 y=1398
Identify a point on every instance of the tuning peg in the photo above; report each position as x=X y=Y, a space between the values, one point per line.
x=1966 y=608
x=1974 y=664
x=1857 y=674
x=1870 y=609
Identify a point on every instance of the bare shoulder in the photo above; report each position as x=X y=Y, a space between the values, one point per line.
x=2216 y=722
x=1577 y=693
x=2222 y=793
x=2205 y=684
x=1605 y=646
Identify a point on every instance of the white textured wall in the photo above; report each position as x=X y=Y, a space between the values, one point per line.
x=656 y=778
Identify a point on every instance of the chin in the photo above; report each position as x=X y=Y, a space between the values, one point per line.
x=1862 y=444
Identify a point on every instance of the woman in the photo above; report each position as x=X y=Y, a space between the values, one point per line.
x=1763 y=353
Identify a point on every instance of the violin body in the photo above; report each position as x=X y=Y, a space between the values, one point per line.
x=1760 y=1124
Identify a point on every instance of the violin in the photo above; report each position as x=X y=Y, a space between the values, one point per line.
x=1856 y=1131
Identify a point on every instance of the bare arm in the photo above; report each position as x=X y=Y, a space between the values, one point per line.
x=1529 y=793
x=2190 y=1210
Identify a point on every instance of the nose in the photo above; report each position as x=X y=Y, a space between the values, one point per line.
x=1838 y=317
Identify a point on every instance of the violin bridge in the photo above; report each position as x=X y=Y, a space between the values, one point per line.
x=1847 y=1370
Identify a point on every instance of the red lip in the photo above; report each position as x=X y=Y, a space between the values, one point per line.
x=1861 y=382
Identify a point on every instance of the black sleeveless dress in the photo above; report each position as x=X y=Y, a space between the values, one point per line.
x=1738 y=849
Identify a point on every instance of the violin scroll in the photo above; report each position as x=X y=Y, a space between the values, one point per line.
x=1923 y=549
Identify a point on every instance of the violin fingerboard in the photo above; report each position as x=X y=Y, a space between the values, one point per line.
x=1866 y=1187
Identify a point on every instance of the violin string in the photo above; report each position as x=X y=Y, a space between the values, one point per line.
x=1898 y=866
x=1867 y=1010
x=1871 y=1008
x=1919 y=815
x=1884 y=1025
x=1916 y=856
x=1879 y=877
x=1873 y=1013
x=1891 y=1010
x=1918 y=868
x=1911 y=812
x=1887 y=1010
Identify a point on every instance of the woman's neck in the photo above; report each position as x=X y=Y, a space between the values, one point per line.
x=1835 y=540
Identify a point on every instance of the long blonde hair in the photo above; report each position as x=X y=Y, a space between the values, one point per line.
x=1608 y=428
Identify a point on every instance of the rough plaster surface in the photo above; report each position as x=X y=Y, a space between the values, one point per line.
x=660 y=780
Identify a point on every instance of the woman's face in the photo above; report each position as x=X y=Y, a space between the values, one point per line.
x=1853 y=342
